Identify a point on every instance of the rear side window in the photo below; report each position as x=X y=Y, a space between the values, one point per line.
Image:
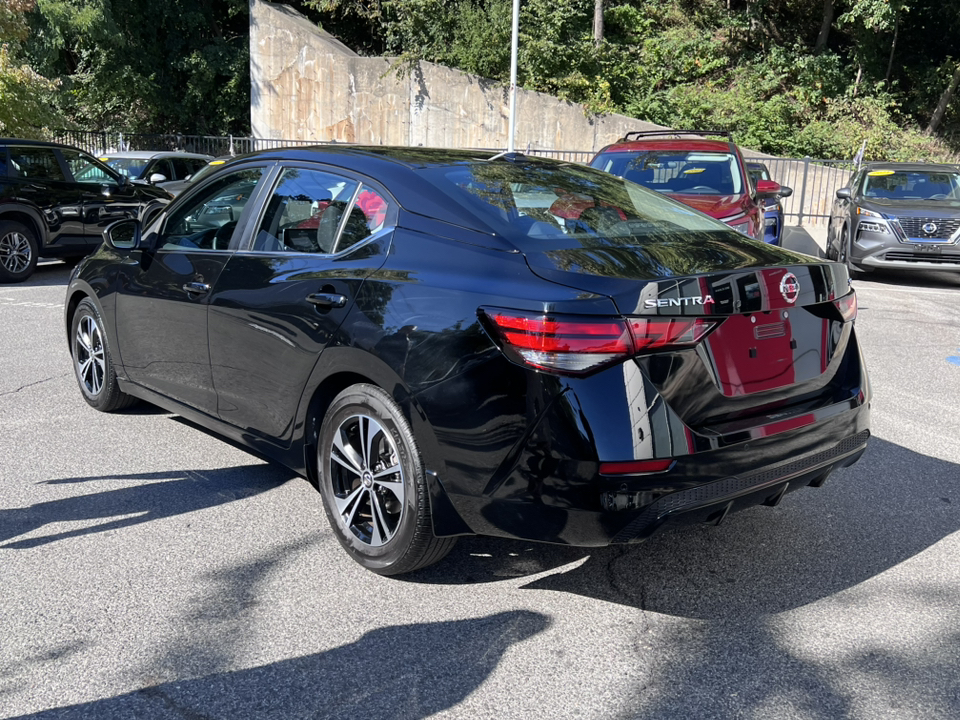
x=35 y=163
x=85 y=169
x=317 y=212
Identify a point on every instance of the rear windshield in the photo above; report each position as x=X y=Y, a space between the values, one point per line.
x=911 y=185
x=542 y=207
x=676 y=171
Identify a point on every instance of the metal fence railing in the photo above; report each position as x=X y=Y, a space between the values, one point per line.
x=106 y=141
x=814 y=182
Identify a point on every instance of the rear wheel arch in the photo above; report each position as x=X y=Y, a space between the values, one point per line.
x=28 y=219
x=354 y=367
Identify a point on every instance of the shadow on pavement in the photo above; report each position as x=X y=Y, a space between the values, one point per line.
x=800 y=239
x=48 y=272
x=408 y=671
x=157 y=495
x=892 y=505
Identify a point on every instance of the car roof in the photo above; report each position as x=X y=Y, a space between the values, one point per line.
x=909 y=166
x=151 y=154
x=695 y=144
x=38 y=143
x=398 y=169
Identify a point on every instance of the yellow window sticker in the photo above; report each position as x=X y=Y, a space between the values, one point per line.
x=880 y=173
x=693 y=171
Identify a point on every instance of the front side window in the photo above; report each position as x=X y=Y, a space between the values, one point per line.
x=208 y=219
x=85 y=169
x=313 y=211
x=35 y=163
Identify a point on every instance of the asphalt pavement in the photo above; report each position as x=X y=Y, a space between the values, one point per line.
x=151 y=570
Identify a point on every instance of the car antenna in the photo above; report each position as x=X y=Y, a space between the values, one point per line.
x=506 y=155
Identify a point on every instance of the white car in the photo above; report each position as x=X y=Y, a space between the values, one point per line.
x=156 y=167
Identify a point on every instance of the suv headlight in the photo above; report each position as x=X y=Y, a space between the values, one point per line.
x=868 y=213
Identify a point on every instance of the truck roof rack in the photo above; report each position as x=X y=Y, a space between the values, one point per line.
x=663 y=133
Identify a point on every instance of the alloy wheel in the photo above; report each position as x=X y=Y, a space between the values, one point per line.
x=15 y=252
x=367 y=480
x=89 y=356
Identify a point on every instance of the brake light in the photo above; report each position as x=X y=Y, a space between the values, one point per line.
x=847 y=305
x=661 y=333
x=579 y=344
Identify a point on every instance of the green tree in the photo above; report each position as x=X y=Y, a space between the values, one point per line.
x=149 y=66
x=24 y=93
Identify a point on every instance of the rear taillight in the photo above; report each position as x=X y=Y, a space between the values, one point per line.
x=578 y=344
x=847 y=305
x=663 y=333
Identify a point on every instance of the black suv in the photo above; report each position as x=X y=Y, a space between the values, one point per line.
x=55 y=201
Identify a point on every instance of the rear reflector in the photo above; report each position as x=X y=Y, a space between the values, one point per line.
x=577 y=344
x=636 y=467
x=847 y=305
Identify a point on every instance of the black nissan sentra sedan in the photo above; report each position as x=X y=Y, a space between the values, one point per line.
x=449 y=344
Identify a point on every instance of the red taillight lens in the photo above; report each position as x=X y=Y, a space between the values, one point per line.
x=660 y=333
x=847 y=305
x=579 y=344
x=564 y=344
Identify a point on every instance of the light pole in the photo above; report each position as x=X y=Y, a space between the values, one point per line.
x=513 y=77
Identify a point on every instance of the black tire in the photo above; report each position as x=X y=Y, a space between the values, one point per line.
x=831 y=252
x=18 y=251
x=843 y=254
x=373 y=485
x=92 y=363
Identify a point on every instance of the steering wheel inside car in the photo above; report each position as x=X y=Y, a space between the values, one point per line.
x=221 y=238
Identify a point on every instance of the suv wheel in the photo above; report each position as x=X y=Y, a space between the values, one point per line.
x=18 y=252
x=843 y=254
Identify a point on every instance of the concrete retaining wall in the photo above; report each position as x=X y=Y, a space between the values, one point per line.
x=306 y=85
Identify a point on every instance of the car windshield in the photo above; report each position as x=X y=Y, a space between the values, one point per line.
x=553 y=206
x=676 y=171
x=205 y=170
x=911 y=185
x=131 y=167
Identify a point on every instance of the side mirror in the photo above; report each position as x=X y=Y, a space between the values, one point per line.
x=785 y=191
x=767 y=189
x=123 y=234
x=157 y=178
x=843 y=193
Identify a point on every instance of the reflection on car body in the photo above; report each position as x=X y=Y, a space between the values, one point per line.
x=447 y=344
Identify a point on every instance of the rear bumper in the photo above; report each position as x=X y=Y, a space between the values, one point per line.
x=712 y=502
x=702 y=487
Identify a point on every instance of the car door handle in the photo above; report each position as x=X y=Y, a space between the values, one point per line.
x=196 y=288
x=327 y=300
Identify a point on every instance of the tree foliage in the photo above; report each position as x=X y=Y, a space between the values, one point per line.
x=790 y=77
x=148 y=66
x=765 y=69
x=24 y=94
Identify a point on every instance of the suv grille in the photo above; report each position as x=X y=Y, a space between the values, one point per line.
x=945 y=227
